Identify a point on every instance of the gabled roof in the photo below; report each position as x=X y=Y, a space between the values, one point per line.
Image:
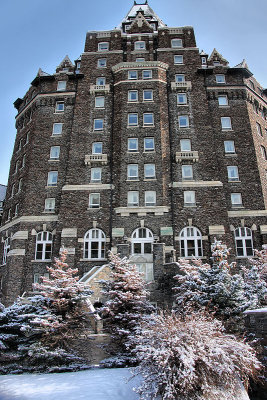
x=147 y=11
x=42 y=73
x=244 y=67
x=243 y=64
x=2 y=192
x=66 y=61
x=216 y=54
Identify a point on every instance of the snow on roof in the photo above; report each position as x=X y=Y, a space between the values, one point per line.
x=2 y=192
x=42 y=73
x=147 y=12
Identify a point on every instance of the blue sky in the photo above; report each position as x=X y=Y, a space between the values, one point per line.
x=38 y=33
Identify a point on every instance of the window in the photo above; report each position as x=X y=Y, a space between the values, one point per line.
x=96 y=175
x=50 y=204
x=132 y=144
x=133 y=199
x=103 y=46
x=54 y=152
x=52 y=178
x=27 y=138
x=20 y=145
x=187 y=172
x=102 y=62
x=226 y=123
x=259 y=130
x=223 y=100
x=20 y=185
x=203 y=60
x=61 y=85
x=59 y=107
x=147 y=270
x=78 y=67
x=220 y=78
x=252 y=85
x=264 y=152
x=139 y=45
x=150 y=199
x=23 y=161
x=176 y=43
x=149 y=171
x=9 y=215
x=139 y=59
x=16 y=213
x=179 y=78
x=148 y=119
x=181 y=98
x=132 y=171
x=94 y=244
x=132 y=95
x=142 y=241
x=132 y=74
x=94 y=200
x=98 y=124
x=232 y=174
x=185 y=144
x=229 y=146
x=178 y=59
x=12 y=190
x=132 y=119
x=43 y=249
x=183 y=121
x=147 y=74
x=189 y=198
x=37 y=278
x=149 y=144
x=148 y=95
x=243 y=242
x=101 y=81
x=191 y=242
x=16 y=167
x=6 y=250
x=99 y=102
x=236 y=199
x=97 y=148
x=57 y=128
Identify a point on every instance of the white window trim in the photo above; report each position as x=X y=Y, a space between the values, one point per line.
x=44 y=244
x=91 y=202
x=195 y=237
x=88 y=240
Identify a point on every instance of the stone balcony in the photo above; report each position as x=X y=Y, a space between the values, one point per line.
x=99 y=88
x=95 y=158
x=186 y=85
x=186 y=156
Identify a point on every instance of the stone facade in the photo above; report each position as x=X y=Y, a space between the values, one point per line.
x=142 y=137
x=2 y=199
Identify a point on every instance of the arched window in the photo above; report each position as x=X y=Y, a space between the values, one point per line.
x=94 y=244
x=6 y=250
x=243 y=242
x=142 y=241
x=191 y=242
x=43 y=246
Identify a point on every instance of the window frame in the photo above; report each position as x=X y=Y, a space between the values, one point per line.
x=137 y=46
x=131 y=124
x=94 y=145
x=132 y=203
x=97 y=99
x=135 y=150
x=229 y=126
x=233 y=178
x=148 y=72
x=51 y=184
x=183 y=141
x=149 y=203
x=179 y=78
x=148 y=91
x=57 y=108
x=184 y=101
x=145 y=116
x=191 y=203
x=185 y=176
x=101 y=244
x=103 y=48
x=96 y=122
x=142 y=241
x=61 y=85
x=130 y=92
x=173 y=46
x=178 y=63
x=57 y=155
x=98 y=171
x=225 y=145
x=47 y=209
x=149 y=150
x=243 y=238
x=54 y=130
x=191 y=234
x=99 y=60
x=234 y=203
x=6 y=250
x=92 y=204
x=220 y=78
x=187 y=121
x=223 y=96
x=153 y=167
x=135 y=74
x=44 y=242
x=134 y=167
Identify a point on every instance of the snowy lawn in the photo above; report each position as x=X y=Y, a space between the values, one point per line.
x=96 y=384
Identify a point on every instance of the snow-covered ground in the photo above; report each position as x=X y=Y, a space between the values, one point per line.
x=96 y=384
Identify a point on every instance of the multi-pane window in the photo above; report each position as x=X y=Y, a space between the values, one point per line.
x=185 y=144
x=6 y=250
x=259 y=130
x=50 y=204
x=103 y=46
x=61 y=85
x=96 y=174
x=142 y=241
x=54 y=152
x=178 y=59
x=236 y=199
x=149 y=171
x=148 y=95
x=132 y=119
x=229 y=147
x=176 y=43
x=264 y=152
x=94 y=200
x=147 y=270
x=189 y=198
x=181 y=98
x=52 y=178
x=243 y=242
x=132 y=95
x=150 y=198
x=102 y=62
x=139 y=45
x=203 y=60
x=57 y=128
x=147 y=74
x=148 y=119
x=133 y=199
x=97 y=148
x=183 y=121
x=179 y=78
x=98 y=124
x=223 y=100
x=187 y=172
x=132 y=171
x=226 y=123
x=191 y=242
x=220 y=78
x=132 y=144
x=43 y=248
x=99 y=102
x=132 y=74
x=59 y=106
x=149 y=144
x=101 y=81
x=232 y=173
x=94 y=244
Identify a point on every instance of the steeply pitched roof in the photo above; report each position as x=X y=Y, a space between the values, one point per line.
x=2 y=192
x=146 y=9
x=243 y=64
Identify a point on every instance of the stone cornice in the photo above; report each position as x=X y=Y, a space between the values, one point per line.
x=137 y=65
x=196 y=184
x=248 y=213
x=30 y=218
x=89 y=187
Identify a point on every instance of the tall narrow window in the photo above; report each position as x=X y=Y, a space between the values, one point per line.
x=191 y=242
x=259 y=130
x=236 y=199
x=185 y=144
x=94 y=244
x=187 y=172
x=139 y=45
x=20 y=185
x=96 y=175
x=133 y=199
x=148 y=95
x=132 y=119
x=243 y=242
x=57 y=128
x=232 y=174
x=94 y=200
x=148 y=119
x=142 y=241
x=229 y=147
x=264 y=152
x=132 y=145
x=54 y=152
x=132 y=95
x=183 y=121
x=132 y=74
x=43 y=249
x=52 y=178
x=50 y=204
x=6 y=250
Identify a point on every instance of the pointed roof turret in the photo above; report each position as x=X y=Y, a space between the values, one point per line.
x=243 y=64
x=244 y=67
x=42 y=73
x=65 y=63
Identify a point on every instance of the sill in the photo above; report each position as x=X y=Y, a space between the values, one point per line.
x=53 y=159
x=149 y=126
x=98 y=130
x=227 y=130
x=184 y=127
x=132 y=101
x=59 y=112
x=99 y=108
x=190 y=205
x=93 y=208
x=132 y=180
x=41 y=261
x=182 y=104
x=178 y=64
x=224 y=106
x=148 y=101
x=48 y=212
x=150 y=179
x=132 y=152
x=92 y=259
x=56 y=135
x=149 y=151
x=230 y=155
x=234 y=181
x=132 y=126
x=237 y=207
x=50 y=186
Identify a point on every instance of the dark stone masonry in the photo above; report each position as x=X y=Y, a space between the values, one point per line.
x=145 y=146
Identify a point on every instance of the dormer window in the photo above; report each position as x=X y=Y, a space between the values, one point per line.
x=220 y=78
x=103 y=46
x=177 y=43
x=203 y=60
x=139 y=46
x=61 y=85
